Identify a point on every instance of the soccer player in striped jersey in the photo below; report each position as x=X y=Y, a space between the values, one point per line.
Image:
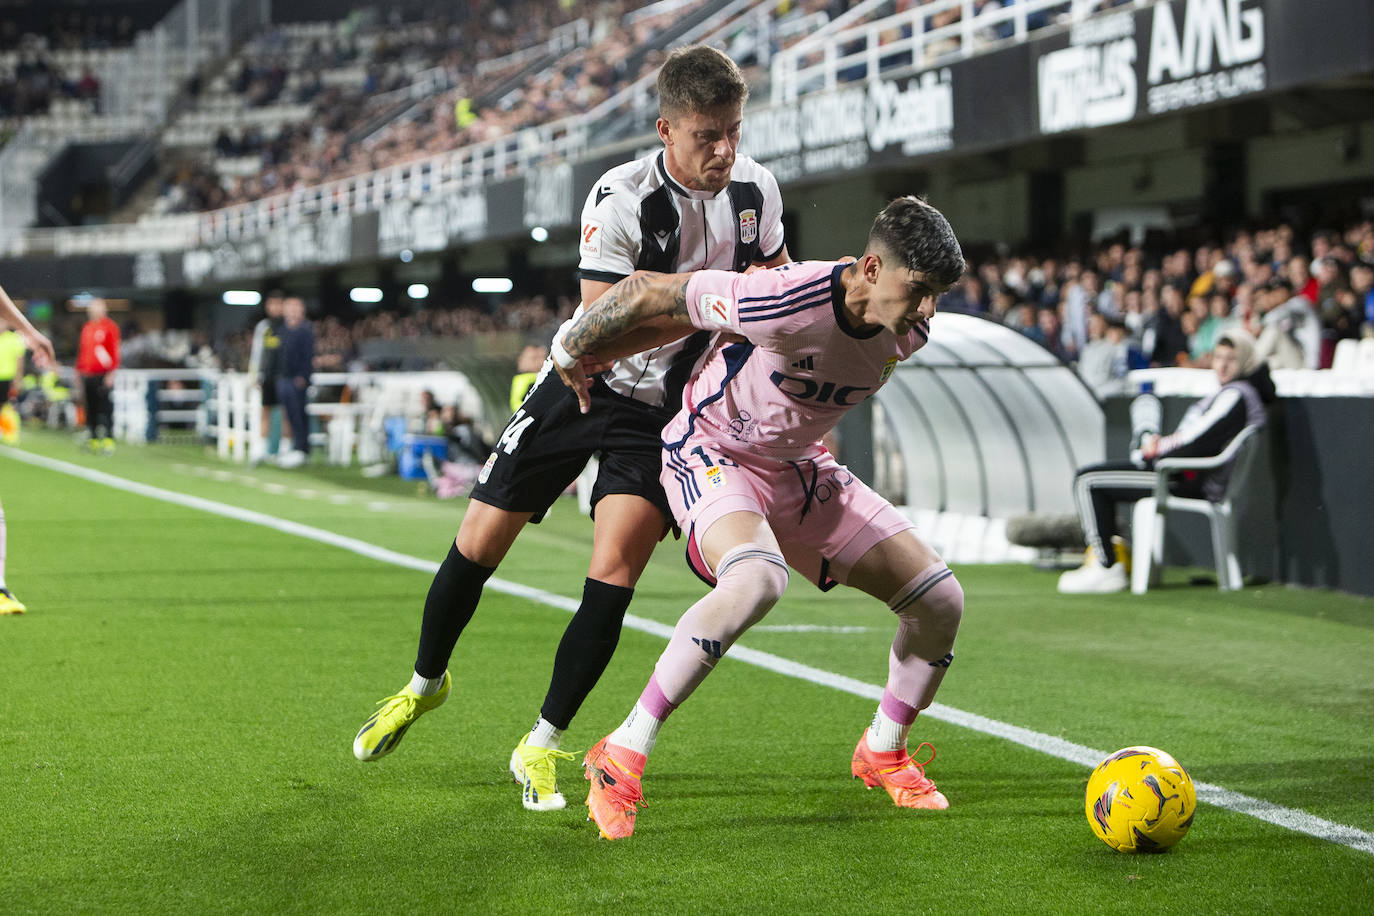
x=757 y=492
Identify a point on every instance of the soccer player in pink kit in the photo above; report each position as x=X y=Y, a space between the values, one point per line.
x=756 y=491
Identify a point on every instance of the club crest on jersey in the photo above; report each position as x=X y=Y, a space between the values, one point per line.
x=748 y=226
x=591 y=239
x=715 y=309
x=887 y=370
x=715 y=477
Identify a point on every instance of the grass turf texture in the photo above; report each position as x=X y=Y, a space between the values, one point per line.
x=180 y=701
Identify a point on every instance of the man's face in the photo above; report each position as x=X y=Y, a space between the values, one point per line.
x=294 y=311
x=1297 y=270
x=1225 y=363
x=1362 y=279
x=700 y=146
x=273 y=306
x=1172 y=299
x=899 y=298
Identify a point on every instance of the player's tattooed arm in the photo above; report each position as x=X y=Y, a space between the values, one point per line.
x=633 y=315
x=642 y=311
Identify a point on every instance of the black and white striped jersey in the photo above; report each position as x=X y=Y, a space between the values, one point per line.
x=638 y=218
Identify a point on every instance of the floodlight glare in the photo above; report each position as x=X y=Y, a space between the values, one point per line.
x=492 y=285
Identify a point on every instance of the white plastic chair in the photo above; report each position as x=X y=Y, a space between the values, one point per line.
x=1148 y=517
x=1365 y=364
x=1346 y=358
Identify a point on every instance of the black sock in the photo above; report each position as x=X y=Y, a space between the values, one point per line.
x=586 y=649
x=451 y=601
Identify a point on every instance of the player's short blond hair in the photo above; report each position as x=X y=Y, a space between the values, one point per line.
x=699 y=78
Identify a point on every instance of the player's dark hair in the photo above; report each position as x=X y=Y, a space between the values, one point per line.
x=920 y=237
x=699 y=78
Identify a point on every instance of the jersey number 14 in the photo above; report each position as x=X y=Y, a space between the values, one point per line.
x=510 y=439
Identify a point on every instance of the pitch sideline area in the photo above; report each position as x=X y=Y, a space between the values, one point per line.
x=1288 y=818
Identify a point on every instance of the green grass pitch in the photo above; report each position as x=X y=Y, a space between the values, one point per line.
x=178 y=706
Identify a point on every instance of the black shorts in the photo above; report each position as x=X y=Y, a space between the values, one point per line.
x=548 y=442
x=269 y=393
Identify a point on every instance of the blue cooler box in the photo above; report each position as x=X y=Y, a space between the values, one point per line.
x=409 y=456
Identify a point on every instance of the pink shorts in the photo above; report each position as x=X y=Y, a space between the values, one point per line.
x=825 y=518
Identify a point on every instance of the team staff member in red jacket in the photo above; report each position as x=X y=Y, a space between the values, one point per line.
x=97 y=357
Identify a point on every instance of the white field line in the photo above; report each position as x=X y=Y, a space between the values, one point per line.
x=1289 y=818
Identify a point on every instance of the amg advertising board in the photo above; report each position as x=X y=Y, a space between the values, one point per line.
x=1175 y=55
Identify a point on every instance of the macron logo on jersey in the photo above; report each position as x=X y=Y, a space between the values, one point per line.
x=715 y=309
x=591 y=239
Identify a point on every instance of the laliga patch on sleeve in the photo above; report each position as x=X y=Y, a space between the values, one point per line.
x=716 y=309
x=591 y=239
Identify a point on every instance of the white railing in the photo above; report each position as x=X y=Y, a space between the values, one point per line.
x=562 y=39
x=226 y=408
x=147 y=400
x=871 y=38
x=650 y=10
x=470 y=166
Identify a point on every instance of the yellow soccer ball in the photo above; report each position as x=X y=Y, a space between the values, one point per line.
x=1140 y=800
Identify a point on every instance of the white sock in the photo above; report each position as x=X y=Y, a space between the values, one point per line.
x=426 y=686
x=885 y=733
x=545 y=735
x=2 y=548
x=638 y=732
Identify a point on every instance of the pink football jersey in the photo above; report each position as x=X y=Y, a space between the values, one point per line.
x=800 y=367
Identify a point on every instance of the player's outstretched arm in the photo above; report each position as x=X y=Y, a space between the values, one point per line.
x=40 y=345
x=634 y=311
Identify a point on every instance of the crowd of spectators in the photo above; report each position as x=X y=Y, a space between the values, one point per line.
x=622 y=48
x=35 y=81
x=391 y=47
x=1125 y=306
x=32 y=75
x=328 y=144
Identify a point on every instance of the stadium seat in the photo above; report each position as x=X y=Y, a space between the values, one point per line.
x=1148 y=519
x=1365 y=366
x=1346 y=359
